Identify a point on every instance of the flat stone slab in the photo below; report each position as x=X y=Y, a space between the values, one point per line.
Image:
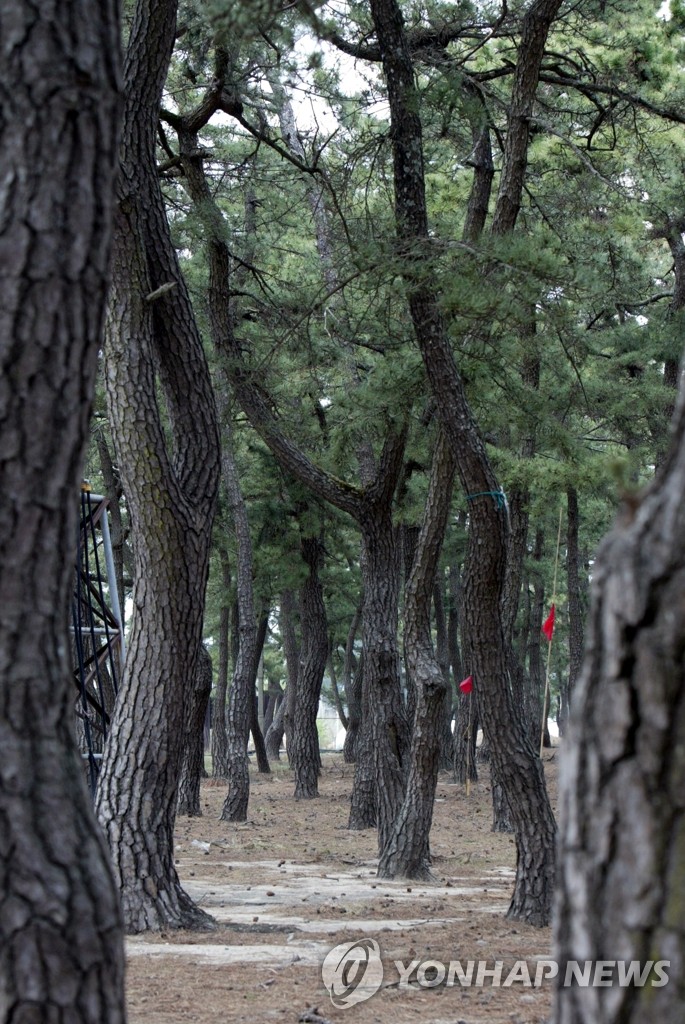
x=308 y=954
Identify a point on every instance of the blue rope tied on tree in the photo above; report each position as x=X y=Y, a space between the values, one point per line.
x=499 y=497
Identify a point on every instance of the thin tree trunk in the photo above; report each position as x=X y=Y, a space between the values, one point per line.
x=61 y=948
x=241 y=694
x=194 y=750
x=576 y=613
x=219 y=736
x=274 y=737
x=257 y=735
x=344 y=721
x=354 y=707
x=406 y=852
x=443 y=657
x=291 y=650
x=304 y=746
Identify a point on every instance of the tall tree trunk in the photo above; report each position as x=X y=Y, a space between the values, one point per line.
x=219 y=735
x=61 y=949
x=291 y=651
x=515 y=764
x=255 y=728
x=304 y=745
x=406 y=852
x=442 y=654
x=170 y=472
x=388 y=733
x=242 y=692
x=622 y=830
x=354 y=707
x=535 y=683
x=576 y=611
x=194 y=748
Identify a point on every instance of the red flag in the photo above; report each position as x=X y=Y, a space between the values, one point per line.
x=466 y=685
x=548 y=625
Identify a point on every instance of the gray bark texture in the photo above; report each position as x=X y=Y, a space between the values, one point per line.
x=170 y=471
x=304 y=754
x=61 y=936
x=406 y=852
x=514 y=761
x=194 y=748
x=622 y=796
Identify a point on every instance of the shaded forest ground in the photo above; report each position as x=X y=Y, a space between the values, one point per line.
x=293 y=882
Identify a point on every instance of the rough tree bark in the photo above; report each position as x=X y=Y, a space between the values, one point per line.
x=622 y=796
x=61 y=949
x=170 y=470
x=303 y=752
x=241 y=691
x=370 y=505
x=442 y=654
x=515 y=764
x=258 y=740
x=291 y=652
x=407 y=851
x=576 y=609
x=219 y=735
x=194 y=748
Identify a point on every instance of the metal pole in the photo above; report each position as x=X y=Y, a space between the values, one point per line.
x=112 y=582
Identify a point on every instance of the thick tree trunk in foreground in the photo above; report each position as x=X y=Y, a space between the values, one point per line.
x=170 y=471
x=194 y=751
x=61 y=949
x=622 y=799
x=406 y=852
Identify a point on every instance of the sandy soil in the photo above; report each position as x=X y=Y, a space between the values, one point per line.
x=293 y=882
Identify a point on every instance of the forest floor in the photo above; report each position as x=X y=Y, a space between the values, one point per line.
x=293 y=882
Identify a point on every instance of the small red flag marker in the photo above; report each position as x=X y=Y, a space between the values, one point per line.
x=548 y=625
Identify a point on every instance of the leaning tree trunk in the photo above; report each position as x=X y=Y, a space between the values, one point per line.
x=170 y=471
x=274 y=736
x=304 y=744
x=353 y=692
x=194 y=750
x=407 y=851
x=622 y=833
x=61 y=949
x=515 y=764
x=258 y=740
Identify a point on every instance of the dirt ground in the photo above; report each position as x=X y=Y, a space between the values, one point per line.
x=294 y=882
